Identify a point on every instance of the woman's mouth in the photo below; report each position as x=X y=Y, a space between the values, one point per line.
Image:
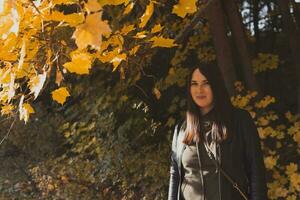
x=200 y=97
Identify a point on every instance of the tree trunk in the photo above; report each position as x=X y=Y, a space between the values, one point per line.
x=294 y=41
x=255 y=13
x=217 y=25
x=296 y=13
x=239 y=38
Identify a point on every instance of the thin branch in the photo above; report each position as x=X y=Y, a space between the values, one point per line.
x=141 y=90
x=36 y=8
x=197 y=18
x=9 y=130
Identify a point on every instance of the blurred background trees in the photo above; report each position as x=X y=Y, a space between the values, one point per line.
x=107 y=134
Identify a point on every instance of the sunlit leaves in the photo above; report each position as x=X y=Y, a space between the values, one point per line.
x=80 y=64
x=184 y=7
x=60 y=95
x=127 y=29
x=64 y=1
x=134 y=50
x=141 y=35
x=270 y=161
x=71 y=19
x=25 y=110
x=147 y=15
x=157 y=93
x=92 y=6
x=265 y=102
x=5 y=26
x=36 y=83
x=22 y=54
x=162 y=42
x=265 y=62
x=7 y=109
x=156 y=28
x=42 y=48
x=128 y=8
x=90 y=33
x=113 y=2
x=117 y=60
x=7 y=47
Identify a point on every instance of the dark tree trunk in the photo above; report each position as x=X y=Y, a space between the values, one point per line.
x=239 y=38
x=255 y=13
x=296 y=13
x=217 y=25
x=293 y=35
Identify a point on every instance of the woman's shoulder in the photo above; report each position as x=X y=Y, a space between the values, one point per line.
x=242 y=116
x=181 y=124
x=241 y=113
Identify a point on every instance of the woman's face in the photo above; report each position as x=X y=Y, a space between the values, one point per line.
x=201 y=92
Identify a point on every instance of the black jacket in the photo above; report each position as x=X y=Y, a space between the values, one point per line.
x=241 y=158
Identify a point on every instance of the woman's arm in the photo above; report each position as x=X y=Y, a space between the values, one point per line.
x=174 y=172
x=254 y=159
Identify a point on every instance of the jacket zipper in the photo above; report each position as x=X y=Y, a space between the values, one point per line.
x=219 y=173
x=201 y=175
x=180 y=172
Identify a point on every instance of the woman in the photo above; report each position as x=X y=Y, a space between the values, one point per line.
x=216 y=152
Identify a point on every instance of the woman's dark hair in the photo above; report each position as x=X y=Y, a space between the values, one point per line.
x=222 y=110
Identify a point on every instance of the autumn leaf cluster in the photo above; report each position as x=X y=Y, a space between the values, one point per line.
x=34 y=51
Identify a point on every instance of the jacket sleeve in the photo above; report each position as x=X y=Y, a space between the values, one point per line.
x=254 y=159
x=174 y=173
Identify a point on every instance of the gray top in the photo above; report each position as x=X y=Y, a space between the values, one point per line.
x=191 y=187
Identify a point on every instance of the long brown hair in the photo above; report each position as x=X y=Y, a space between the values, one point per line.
x=222 y=109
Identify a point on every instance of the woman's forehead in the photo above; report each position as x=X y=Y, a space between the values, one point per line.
x=198 y=76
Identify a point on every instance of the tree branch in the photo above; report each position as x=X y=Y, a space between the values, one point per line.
x=197 y=18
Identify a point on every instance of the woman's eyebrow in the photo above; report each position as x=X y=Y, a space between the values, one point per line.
x=200 y=81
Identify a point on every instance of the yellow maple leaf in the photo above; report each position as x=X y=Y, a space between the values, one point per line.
x=291 y=168
x=134 y=50
x=107 y=56
x=156 y=28
x=296 y=138
x=72 y=19
x=60 y=95
x=128 y=8
x=7 y=109
x=270 y=161
x=64 y=1
x=80 y=64
x=25 y=70
x=147 y=15
x=59 y=77
x=7 y=47
x=7 y=6
x=12 y=87
x=117 y=60
x=157 y=93
x=92 y=6
x=25 y=110
x=113 y=2
x=184 y=7
x=126 y=29
x=36 y=83
x=5 y=26
x=90 y=33
x=140 y=35
x=162 y=42
x=22 y=54
x=5 y=74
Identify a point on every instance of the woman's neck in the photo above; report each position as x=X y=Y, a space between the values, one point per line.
x=204 y=111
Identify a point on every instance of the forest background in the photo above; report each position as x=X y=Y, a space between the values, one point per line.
x=91 y=90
